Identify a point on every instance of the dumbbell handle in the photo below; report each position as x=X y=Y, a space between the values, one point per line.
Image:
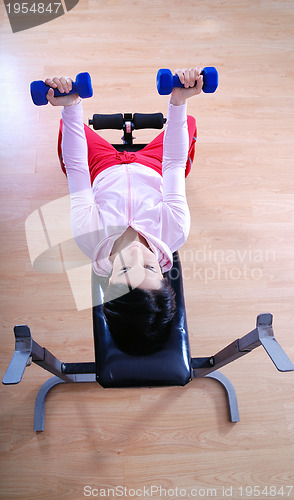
x=57 y=93
x=39 y=91
x=177 y=82
x=208 y=73
x=166 y=80
x=81 y=86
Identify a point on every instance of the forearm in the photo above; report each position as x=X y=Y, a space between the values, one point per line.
x=175 y=151
x=85 y=220
x=74 y=149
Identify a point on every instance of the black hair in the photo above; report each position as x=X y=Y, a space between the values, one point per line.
x=139 y=321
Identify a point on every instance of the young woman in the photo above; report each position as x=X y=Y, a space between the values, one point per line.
x=129 y=211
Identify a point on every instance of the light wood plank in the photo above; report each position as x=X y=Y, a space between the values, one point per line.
x=238 y=260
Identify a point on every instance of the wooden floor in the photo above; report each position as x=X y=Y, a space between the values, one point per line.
x=238 y=261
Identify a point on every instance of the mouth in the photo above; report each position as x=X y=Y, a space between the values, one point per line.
x=135 y=245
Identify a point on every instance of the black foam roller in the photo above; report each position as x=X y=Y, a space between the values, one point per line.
x=150 y=120
x=100 y=122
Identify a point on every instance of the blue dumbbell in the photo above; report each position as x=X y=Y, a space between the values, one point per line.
x=81 y=86
x=166 y=81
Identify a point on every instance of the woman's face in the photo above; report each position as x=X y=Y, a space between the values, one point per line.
x=137 y=267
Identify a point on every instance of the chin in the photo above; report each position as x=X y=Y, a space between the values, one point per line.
x=136 y=244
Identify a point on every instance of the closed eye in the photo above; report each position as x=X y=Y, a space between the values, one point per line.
x=150 y=268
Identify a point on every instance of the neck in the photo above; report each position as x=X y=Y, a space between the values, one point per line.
x=126 y=239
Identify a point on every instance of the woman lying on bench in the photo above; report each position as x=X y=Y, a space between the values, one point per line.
x=129 y=211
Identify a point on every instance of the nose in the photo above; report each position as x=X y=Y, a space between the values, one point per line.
x=137 y=255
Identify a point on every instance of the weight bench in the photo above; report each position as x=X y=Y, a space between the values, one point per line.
x=112 y=368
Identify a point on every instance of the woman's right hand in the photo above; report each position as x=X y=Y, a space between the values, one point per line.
x=64 y=85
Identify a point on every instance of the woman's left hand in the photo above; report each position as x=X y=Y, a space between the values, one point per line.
x=188 y=77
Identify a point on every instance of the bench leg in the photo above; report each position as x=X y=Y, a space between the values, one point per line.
x=39 y=423
x=230 y=393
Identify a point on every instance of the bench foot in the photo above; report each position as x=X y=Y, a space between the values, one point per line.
x=230 y=393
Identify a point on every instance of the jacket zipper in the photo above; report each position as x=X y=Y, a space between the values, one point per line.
x=129 y=195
